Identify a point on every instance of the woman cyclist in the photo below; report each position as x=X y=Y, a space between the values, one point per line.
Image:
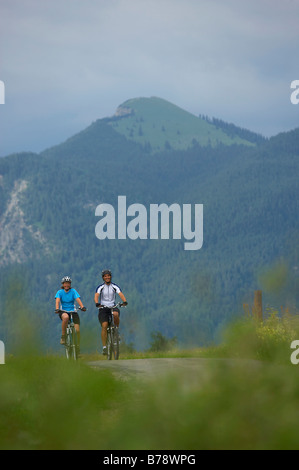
x=65 y=300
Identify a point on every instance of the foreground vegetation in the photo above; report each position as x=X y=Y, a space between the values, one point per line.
x=49 y=403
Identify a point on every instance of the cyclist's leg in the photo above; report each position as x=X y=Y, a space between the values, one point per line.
x=104 y=333
x=103 y=317
x=64 y=321
x=77 y=328
x=76 y=319
x=116 y=315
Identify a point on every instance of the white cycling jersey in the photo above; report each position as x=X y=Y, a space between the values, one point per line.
x=108 y=293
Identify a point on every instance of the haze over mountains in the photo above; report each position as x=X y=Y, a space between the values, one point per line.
x=153 y=152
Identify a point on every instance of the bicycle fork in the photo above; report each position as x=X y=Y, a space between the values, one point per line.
x=112 y=342
x=71 y=342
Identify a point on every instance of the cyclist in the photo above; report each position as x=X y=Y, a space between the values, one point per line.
x=65 y=298
x=105 y=296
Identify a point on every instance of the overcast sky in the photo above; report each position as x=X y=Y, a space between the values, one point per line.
x=66 y=63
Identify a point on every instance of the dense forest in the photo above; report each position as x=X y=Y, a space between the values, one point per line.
x=250 y=231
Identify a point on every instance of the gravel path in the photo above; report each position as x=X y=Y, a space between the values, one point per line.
x=148 y=369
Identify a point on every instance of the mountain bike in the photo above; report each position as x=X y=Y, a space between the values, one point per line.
x=71 y=340
x=112 y=334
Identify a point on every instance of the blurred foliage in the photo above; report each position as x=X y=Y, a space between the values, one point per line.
x=232 y=401
x=22 y=325
x=267 y=340
x=274 y=278
x=229 y=406
x=50 y=403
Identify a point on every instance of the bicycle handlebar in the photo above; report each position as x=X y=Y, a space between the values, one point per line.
x=72 y=311
x=119 y=304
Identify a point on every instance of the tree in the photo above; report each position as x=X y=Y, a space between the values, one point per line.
x=161 y=343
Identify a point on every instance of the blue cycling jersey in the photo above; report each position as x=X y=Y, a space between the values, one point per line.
x=67 y=299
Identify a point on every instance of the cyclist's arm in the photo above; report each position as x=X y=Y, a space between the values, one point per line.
x=122 y=296
x=96 y=298
x=57 y=303
x=79 y=302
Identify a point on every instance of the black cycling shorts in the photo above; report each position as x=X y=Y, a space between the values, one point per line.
x=104 y=313
x=76 y=318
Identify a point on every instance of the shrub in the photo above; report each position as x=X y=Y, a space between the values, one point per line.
x=161 y=343
x=267 y=340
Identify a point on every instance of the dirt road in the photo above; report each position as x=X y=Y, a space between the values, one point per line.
x=149 y=369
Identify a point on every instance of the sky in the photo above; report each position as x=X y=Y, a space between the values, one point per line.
x=67 y=63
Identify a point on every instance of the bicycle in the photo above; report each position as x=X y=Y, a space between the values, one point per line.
x=112 y=334
x=71 y=340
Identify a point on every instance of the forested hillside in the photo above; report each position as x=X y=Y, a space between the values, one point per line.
x=250 y=213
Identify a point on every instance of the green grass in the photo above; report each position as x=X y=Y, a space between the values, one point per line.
x=47 y=402
x=50 y=403
x=237 y=407
x=165 y=125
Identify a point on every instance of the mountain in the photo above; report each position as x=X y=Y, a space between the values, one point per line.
x=159 y=125
x=51 y=204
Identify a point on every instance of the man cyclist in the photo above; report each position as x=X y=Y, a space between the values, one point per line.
x=105 y=296
x=65 y=300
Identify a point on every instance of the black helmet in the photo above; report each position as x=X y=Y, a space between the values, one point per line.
x=66 y=279
x=106 y=271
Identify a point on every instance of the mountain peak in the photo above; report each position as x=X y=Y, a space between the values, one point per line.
x=122 y=111
x=158 y=124
x=150 y=105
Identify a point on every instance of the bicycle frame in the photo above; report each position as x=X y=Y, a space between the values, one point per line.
x=71 y=340
x=112 y=334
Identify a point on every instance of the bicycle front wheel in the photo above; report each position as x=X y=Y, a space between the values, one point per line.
x=68 y=345
x=74 y=352
x=115 y=338
x=109 y=344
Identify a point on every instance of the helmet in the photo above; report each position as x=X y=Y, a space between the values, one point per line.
x=106 y=271
x=66 y=279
